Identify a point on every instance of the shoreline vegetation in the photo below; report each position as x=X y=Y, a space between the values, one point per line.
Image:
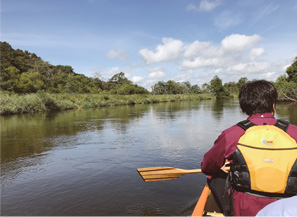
x=49 y=102
x=29 y=84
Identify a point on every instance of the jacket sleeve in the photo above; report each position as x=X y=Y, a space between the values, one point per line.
x=292 y=131
x=214 y=159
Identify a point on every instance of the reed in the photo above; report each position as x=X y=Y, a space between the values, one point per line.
x=45 y=102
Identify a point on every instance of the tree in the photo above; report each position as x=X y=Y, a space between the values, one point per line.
x=22 y=60
x=292 y=71
x=159 y=88
x=231 y=86
x=217 y=88
x=173 y=87
x=195 y=89
x=98 y=84
x=9 y=79
x=206 y=88
x=170 y=87
x=287 y=86
x=119 y=79
x=45 y=69
x=128 y=89
x=116 y=81
x=30 y=83
x=185 y=87
x=64 y=69
x=287 y=90
x=241 y=82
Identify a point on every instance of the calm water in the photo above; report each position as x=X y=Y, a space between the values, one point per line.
x=84 y=162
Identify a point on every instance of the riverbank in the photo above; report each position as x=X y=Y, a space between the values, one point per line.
x=46 y=102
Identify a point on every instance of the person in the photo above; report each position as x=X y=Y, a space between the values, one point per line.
x=258 y=100
x=282 y=207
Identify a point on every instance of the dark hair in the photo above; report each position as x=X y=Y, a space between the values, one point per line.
x=257 y=96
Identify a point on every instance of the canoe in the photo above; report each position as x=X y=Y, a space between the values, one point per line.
x=206 y=205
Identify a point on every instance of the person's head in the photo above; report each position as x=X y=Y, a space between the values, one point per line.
x=258 y=96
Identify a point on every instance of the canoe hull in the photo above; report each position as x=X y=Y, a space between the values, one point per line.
x=206 y=205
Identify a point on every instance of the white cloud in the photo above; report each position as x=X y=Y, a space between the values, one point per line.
x=234 y=58
x=236 y=42
x=269 y=75
x=233 y=55
x=186 y=76
x=251 y=67
x=205 y=5
x=169 y=50
x=112 y=71
x=199 y=62
x=156 y=73
x=117 y=54
x=196 y=47
x=218 y=70
x=256 y=52
x=136 y=79
x=239 y=67
x=284 y=68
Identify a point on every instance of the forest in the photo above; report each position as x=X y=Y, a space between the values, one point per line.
x=24 y=73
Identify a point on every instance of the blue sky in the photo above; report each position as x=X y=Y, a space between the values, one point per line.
x=155 y=40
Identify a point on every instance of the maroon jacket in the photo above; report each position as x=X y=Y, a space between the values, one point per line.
x=243 y=204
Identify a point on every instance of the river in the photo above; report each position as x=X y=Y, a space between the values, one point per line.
x=83 y=162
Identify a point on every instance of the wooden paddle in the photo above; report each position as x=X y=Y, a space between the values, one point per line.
x=151 y=174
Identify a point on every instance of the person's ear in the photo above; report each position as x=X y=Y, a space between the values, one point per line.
x=273 y=109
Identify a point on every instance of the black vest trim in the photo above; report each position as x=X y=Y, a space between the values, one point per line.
x=292 y=180
x=246 y=124
x=282 y=124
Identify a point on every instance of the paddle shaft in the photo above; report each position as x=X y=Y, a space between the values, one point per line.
x=163 y=173
x=193 y=171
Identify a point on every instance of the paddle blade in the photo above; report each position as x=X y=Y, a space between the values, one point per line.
x=163 y=173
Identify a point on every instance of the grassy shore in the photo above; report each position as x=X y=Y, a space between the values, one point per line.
x=46 y=102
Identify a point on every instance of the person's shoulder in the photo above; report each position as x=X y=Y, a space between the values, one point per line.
x=233 y=130
x=235 y=127
x=292 y=131
x=293 y=127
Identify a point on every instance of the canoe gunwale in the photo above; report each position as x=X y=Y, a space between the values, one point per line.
x=206 y=205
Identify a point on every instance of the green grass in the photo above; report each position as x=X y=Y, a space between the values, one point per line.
x=45 y=102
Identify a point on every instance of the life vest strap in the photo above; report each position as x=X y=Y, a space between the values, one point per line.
x=246 y=124
x=282 y=124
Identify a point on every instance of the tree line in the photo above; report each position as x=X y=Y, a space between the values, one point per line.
x=24 y=72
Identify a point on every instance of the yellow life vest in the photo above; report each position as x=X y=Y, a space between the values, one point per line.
x=265 y=160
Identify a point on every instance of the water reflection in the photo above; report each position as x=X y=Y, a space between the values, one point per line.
x=28 y=135
x=287 y=111
x=172 y=111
